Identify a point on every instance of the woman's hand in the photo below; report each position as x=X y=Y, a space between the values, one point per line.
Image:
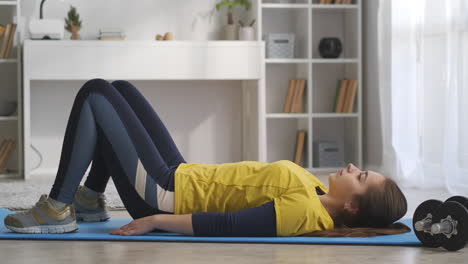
x=137 y=227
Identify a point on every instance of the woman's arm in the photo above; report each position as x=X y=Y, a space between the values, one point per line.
x=173 y=223
x=257 y=221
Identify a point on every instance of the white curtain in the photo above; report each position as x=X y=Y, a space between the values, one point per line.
x=423 y=75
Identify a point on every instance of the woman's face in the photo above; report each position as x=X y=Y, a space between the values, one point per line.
x=350 y=181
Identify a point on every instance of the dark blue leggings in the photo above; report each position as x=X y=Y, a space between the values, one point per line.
x=115 y=127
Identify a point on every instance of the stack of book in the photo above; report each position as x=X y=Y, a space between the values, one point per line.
x=111 y=34
x=300 y=142
x=336 y=2
x=7 y=34
x=345 y=96
x=5 y=150
x=295 y=97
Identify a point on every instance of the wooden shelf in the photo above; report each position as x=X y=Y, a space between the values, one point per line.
x=313 y=6
x=310 y=22
x=334 y=115
x=273 y=5
x=9 y=175
x=8 y=118
x=287 y=115
x=335 y=60
x=273 y=60
x=8 y=3
x=143 y=60
x=8 y=60
x=13 y=63
x=318 y=60
x=334 y=6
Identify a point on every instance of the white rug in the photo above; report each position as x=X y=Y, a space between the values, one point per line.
x=20 y=195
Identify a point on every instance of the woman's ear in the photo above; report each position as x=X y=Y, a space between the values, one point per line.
x=351 y=208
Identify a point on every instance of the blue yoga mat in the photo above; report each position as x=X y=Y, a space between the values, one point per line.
x=100 y=231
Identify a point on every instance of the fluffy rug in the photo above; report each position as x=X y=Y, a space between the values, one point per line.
x=20 y=195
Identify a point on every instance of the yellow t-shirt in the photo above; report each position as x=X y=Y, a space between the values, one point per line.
x=230 y=187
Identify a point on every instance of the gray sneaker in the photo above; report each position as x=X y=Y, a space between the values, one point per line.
x=90 y=210
x=43 y=218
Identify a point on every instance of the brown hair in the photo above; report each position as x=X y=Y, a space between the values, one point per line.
x=378 y=209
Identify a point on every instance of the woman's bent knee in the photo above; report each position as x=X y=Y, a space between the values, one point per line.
x=93 y=85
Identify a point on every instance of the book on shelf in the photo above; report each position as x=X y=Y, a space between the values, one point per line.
x=111 y=38
x=6 y=41
x=289 y=96
x=350 y=96
x=300 y=142
x=298 y=103
x=341 y=96
x=111 y=34
x=10 y=41
x=295 y=97
x=2 y=30
x=345 y=96
x=5 y=151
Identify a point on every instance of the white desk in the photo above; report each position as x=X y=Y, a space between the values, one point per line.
x=148 y=60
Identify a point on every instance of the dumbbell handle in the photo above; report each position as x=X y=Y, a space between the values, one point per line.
x=423 y=225
x=444 y=227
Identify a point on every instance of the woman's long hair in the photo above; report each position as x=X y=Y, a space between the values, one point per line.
x=378 y=209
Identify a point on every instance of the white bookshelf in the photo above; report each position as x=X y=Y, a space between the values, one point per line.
x=310 y=21
x=11 y=126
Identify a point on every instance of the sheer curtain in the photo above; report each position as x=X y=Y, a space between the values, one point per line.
x=423 y=57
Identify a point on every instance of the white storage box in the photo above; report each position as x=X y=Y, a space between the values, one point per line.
x=280 y=45
x=328 y=154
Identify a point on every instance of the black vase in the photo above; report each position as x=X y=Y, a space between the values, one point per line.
x=330 y=47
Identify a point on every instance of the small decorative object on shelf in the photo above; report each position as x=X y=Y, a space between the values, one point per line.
x=73 y=23
x=231 y=28
x=6 y=148
x=6 y=41
x=280 y=45
x=330 y=47
x=328 y=154
x=45 y=28
x=167 y=36
x=246 y=32
x=111 y=34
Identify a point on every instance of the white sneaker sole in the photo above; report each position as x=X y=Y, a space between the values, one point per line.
x=95 y=217
x=45 y=229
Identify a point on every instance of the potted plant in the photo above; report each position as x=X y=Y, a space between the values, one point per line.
x=246 y=32
x=73 y=23
x=231 y=28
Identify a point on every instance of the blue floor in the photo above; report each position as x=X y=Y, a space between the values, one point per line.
x=100 y=231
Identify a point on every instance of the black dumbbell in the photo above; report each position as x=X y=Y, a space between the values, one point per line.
x=442 y=224
x=422 y=222
x=461 y=199
x=450 y=225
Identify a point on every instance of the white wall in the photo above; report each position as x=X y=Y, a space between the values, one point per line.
x=372 y=135
x=204 y=117
x=141 y=20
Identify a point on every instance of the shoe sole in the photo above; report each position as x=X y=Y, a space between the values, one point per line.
x=45 y=229
x=94 y=217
